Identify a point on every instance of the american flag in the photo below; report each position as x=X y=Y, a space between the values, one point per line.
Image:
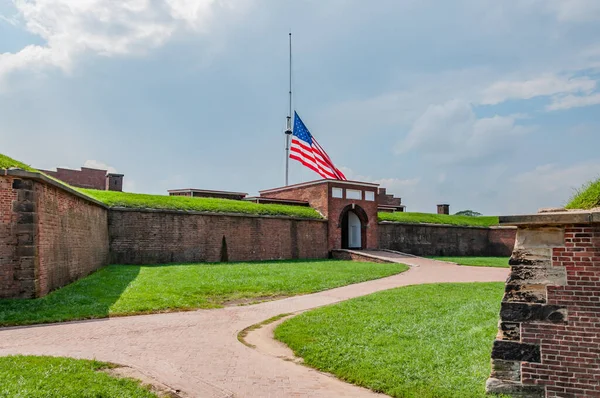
x=307 y=151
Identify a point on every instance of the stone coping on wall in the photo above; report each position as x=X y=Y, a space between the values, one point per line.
x=18 y=173
x=446 y=225
x=553 y=218
x=206 y=213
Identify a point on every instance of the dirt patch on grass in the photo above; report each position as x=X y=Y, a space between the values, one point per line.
x=156 y=387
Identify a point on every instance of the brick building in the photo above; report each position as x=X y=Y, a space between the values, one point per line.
x=88 y=178
x=349 y=206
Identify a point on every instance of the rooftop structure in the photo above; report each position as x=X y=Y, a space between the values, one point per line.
x=205 y=193
x=88 y=178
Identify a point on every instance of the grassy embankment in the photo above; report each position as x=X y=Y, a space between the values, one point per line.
x=118 y=290
x=587 y=197
x=50 y=377
x=145 y=201
x=418 y=218
x=7 y=163
x=418 y=341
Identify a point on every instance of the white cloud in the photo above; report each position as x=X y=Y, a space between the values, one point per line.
x=541 y=86
x=94 y=164
x=573 y=101
x=451 y=132
x=396 y=186
x=573 y=10
x=103 y=27
x=550 y=185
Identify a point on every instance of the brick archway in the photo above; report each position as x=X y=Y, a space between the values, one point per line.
x=343 y=224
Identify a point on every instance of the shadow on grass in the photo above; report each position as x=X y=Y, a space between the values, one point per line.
x=88 y=298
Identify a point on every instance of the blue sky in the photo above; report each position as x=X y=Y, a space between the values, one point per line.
x=487 y=105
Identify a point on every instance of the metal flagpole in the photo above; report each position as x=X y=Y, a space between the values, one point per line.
x=288 y=131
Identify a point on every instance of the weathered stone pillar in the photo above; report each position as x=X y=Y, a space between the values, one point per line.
x=548 y=342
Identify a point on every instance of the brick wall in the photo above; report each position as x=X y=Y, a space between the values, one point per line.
x=84 y=178
x=50 y=236
x=315 y=195
x=152 y=237
x=446 y=240
x=13 y=282
x=370 y=235
x=549 y=335
x=72 y=237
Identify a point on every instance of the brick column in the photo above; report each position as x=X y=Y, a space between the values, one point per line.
x=548 y=342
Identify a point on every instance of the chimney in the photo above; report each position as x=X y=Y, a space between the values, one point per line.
x=114 y=182
x=443 y=209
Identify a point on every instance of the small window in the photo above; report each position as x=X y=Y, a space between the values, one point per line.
x=370 y=196
x=353 y=194
x=337 y=192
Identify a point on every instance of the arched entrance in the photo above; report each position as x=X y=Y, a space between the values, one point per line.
x=353 y=222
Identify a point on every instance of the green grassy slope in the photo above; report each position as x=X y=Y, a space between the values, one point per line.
x=417 y=218
x=145 y=201
x=587 y=197
x=6 y=163
x=130 y=289
x=425 y=341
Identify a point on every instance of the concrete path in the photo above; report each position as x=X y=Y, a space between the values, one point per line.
x=198 y=352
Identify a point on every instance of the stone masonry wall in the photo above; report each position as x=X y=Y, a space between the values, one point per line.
x=72 y=237
x=548 y=344
x=152 y=237
x=17 y=233
x=49 y=236
x=446 y=240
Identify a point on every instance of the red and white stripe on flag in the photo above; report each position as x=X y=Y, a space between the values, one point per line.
x=315 y=158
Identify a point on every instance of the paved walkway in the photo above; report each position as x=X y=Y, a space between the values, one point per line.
x=198 y=352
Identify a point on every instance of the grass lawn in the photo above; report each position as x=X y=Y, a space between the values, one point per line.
x=587 y=197
x=418 y=218
x=51 y=377
x=131 y=289
x=416 y=341
x=145 y=201
x=500 y=262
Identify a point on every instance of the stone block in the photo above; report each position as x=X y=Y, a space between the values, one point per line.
x=513 y=389
x=26 y=218
x=538 y=257
x=515 y=351
x=525 y=293
x=509 y=331
x=548 y=237
x=25 y=238
x=23 y=207
x=537 y=275
x=521 y=312
x=22 y=184
x=24 y=195
x=506 y=370
x=26 y=251
x=26 y=264
x=25 y=228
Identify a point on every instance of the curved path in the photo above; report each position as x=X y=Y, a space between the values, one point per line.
x=198 y=352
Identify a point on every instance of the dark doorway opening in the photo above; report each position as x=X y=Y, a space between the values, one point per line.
x=353 y=222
